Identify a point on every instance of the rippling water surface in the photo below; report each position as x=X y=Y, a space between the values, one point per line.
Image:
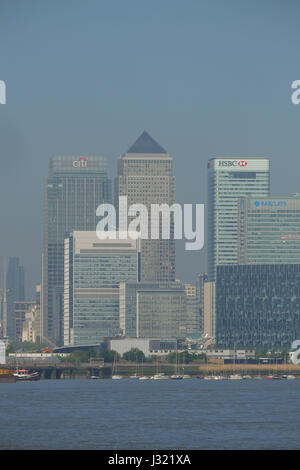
x=161 y=414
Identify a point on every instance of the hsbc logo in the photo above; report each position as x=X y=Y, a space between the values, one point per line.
x=232 y=163
x=81 y=162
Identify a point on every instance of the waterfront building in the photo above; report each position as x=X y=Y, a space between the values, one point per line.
x=21 y=309
x=193 y=324
x=209 y=309
x=153 y=310
x=257 y=306
x=31 y=330
x=149 y=346
x=75 y=187
x=200 y=281
x=93 y=270
x=228 y=180
x=269 y=230
x=14 y=290
x=145 y=176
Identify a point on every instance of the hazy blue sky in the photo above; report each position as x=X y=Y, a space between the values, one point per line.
x=204 y=77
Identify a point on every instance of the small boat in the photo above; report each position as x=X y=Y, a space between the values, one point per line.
x=186 y=376
x=291 y=377
x=160 y=376
x=247 y=377
x=144 y=377
x=235 y=377
x=116 y=377
x=94 y=377
x=176 y=377
x=135 y=376
x=23 y=375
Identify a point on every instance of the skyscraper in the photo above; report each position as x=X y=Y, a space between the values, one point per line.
x=153 y=310
x=228 y=180
x=15 y=291
x=76 y=186
x=269 y=230
x=94 y=269
x=145 y=176
x=257 y=306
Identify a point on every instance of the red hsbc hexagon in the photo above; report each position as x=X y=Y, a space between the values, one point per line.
x=242 y=163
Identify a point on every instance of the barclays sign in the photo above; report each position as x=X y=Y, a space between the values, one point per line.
x=270 y=203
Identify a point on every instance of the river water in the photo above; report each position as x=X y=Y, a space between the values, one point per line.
x=161 y=414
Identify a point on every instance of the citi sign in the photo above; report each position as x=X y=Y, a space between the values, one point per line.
x=232 y=163
x=81 y=162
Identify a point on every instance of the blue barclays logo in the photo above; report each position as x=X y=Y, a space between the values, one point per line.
x=270 y=203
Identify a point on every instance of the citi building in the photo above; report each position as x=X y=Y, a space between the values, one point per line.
x=75 y=187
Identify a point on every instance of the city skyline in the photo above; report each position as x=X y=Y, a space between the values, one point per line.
x=214 y=79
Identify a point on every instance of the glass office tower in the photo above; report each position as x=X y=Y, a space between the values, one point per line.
x=269 y=230
x=153 y=310
x=258 y=306
x=94 y=269
x=145 y=176
x=228 y=180
x=76 y=186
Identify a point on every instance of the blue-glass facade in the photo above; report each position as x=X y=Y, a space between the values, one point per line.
x=75 y=188
x=257 y=306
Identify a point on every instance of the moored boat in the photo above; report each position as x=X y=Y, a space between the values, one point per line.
x=23 y=375
x=235 y=377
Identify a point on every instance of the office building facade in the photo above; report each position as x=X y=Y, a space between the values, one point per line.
x=94 y=269
x=145 y=176
x=228 y=180
x=153 y=310
x=76 y=186
x=269 y=230
x=257 y=306
x=14 y=288
x=21 y=309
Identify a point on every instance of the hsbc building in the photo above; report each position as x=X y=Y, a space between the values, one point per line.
x=228 y=180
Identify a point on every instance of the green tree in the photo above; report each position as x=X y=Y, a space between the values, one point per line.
x=134 y=355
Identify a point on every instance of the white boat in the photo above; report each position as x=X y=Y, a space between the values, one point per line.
x=160 y=376
x=116 y=377
x=144 y=377
x=23 y=375
x=290 y=377
x=235 y=377
x=176 y=377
